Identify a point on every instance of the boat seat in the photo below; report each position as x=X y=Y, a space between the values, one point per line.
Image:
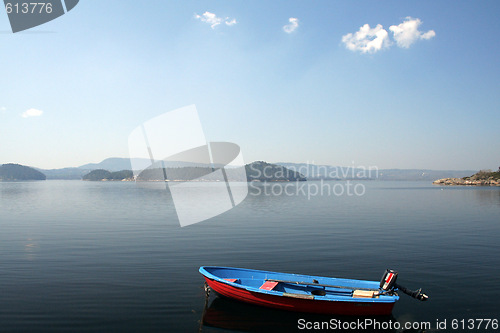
x=231 y=280
x=269 y=285
x=363 y=293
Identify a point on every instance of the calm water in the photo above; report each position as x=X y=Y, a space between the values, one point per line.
x=110 y=256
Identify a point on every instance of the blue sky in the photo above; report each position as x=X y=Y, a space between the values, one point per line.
x=419 y=91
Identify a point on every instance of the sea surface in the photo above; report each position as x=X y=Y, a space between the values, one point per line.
x=81 y=256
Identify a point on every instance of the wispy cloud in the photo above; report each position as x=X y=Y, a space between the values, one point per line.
x=232 y=22
x=407 y=32
x=3 y=109
x=292 y=26
x=32 y=113
x=367 y=40
x=214 y=20
x=371 y=40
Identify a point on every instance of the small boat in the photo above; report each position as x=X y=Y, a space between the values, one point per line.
x=304 y=293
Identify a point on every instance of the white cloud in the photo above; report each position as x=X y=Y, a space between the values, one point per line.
x=294 y=24
x=367 y=40
x=209 y=18
x=214 y=20
x=32 y=113
x=407 y=32
x=232 y=22
x=3 y=109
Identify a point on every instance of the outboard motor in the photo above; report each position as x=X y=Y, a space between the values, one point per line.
x=388 y=283
x=388 y=280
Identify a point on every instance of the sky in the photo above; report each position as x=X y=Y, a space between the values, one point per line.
x=393 y=84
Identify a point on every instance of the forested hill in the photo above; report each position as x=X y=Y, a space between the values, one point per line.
x=101 y=174
x=10 y=172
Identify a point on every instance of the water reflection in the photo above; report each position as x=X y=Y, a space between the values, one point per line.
x=15 y=188
x=227 y=314
x=488 y=196
x=30 y=248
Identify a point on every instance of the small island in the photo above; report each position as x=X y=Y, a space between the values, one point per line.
x=16 y=172
x=482 y=178
x=105 y=175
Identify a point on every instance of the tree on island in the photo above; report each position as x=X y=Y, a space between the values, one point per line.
x=484 y=175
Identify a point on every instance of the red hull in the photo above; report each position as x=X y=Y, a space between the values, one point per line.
x=301 y=305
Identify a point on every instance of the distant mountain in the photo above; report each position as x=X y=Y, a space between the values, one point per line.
x=65 y=173
x=110 y=164
x=113 y=164
x=420 y=174
x=307 y=170
x=316 y=172
x=256 y=171
x=10 y=172
x=123 y=163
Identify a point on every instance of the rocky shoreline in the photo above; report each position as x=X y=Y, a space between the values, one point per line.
x=467 y=182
